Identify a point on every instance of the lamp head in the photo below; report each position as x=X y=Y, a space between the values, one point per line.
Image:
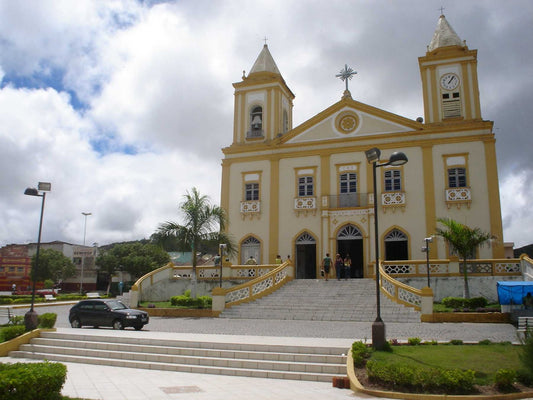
x=397 y=158
x=31 y=192
x=373 y=155
x=45 y=186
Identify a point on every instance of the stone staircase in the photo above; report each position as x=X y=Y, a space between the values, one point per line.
x=311 y=299
x=313 y=363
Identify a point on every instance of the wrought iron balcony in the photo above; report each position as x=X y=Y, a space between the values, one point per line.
x=349 y=200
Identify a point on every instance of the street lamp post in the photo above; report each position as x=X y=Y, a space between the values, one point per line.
x=428 y=240
x=85 y=214
x=221 y=247
x=30 y=318
x=396 y=159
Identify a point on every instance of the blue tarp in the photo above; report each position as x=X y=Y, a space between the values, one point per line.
x=513 y=292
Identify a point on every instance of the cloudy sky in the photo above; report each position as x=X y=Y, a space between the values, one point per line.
x=124 y=105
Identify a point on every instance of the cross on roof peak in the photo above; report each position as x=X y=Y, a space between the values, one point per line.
x=346 y=74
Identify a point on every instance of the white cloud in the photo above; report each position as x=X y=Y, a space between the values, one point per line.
x=155 y=81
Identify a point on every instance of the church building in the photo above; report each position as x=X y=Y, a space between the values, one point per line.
x=306 y=191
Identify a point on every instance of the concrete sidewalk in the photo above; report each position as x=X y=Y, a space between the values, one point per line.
x=94 y=382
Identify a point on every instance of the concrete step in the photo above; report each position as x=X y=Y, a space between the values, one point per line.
x=349 y=300
x=252 y=360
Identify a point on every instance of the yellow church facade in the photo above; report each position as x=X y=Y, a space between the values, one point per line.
x=306 y=191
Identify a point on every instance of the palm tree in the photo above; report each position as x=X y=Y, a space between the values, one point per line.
x=464 y=241
x=200 y=222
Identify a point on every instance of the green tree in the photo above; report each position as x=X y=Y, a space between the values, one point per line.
x=52 y=265
x=136 y=258
x=203 y=224
x=464 y=241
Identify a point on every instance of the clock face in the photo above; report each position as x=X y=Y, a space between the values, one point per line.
x=449 y=81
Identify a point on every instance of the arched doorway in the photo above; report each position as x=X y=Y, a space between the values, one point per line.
x=350 y=241
x=250 y=247
x=305 y=257
x=396 y=245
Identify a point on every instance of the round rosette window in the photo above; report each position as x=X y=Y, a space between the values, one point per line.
x=346 y=122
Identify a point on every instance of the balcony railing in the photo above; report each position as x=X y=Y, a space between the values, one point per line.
x=305 y=203
x=458 y=196
x=349 y=200
x=250 y=207
x=255 y=133
x=393 y=199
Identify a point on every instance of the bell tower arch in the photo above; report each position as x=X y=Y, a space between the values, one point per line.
x=263 y=103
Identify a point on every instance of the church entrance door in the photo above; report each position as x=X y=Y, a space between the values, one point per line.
x=350 y=241
x=305 y=257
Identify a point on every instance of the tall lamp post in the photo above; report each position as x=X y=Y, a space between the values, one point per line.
x=85 y=214
x=396 y=159
x=30 y=318
x=428 y=240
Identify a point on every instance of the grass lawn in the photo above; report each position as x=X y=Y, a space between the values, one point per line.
x=485 y=360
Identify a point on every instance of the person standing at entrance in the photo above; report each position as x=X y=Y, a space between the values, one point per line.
x=347 y=266
x=339 y=266
x=326 y=266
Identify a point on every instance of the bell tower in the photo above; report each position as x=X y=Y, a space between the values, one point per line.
x=263 y=103
x=449 y=78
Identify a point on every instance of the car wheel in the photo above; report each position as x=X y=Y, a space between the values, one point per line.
x=138 y=327
x=118 y=325
x=75 y=323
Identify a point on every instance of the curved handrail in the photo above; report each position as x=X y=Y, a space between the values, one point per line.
x=257 y=287
x=402 y=293
x=527 y=267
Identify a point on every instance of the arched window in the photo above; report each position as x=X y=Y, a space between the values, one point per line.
x=256 y=122
x=396 y=245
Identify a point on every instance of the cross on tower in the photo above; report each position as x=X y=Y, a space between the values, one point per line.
x=442 y=10
x=346 y=74
x=265 y=39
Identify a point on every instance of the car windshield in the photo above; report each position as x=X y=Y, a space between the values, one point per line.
x=116 y=305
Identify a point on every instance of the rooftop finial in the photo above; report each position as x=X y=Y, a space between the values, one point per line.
x=265 y=39
x=345 y=75
x=441 y=10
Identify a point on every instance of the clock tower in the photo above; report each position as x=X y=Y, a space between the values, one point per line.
x=449 y=78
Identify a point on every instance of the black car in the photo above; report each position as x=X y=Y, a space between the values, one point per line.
x=106 y=312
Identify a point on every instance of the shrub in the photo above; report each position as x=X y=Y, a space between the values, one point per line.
x=431 y=342
x=6 y=300
x=414 y=341
x=526 y=356
x=360 y=353
x=387 y=347
x=32 y=381
x=524 y=377
x=421 y=379
x=504 y=379
x=11 y=332
x=394 y=342
x=485 y=342
x=17 y=320
x=456 y=342
x=465 y=304
x=187 y=301
x=70 y=297
x=47 y=320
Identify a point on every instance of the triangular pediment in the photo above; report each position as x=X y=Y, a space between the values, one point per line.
x=350 y=119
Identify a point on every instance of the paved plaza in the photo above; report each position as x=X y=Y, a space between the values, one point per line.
x=114 y=383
